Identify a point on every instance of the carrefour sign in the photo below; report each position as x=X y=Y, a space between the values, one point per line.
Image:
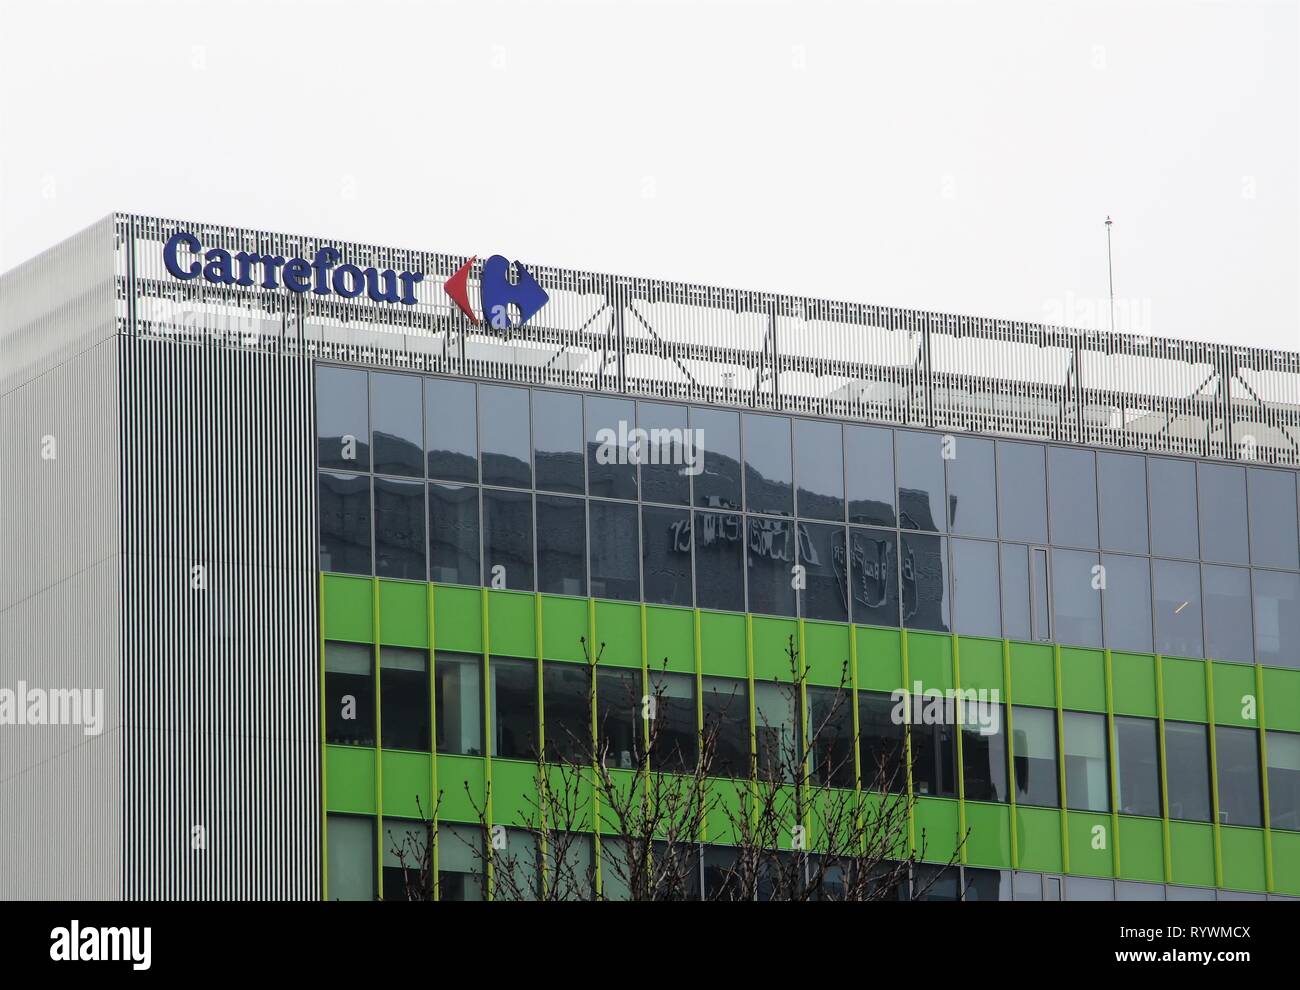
x=186 y=259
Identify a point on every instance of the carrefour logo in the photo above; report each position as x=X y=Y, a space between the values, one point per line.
x=497 y=293
x=322 y=275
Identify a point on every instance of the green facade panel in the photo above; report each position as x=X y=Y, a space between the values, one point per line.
x=989 y=840
x=618 y=630
x=512 y=623
x=722 y=644
x=1133 y=677
x=564 y=627
x=1141 y=849
x=1191 y=849
x=772 y=639
x=1033 y=675
x=1185 y=697
x=1244 y=862
x=461 y=787
x=929 y=660
x=1083 y=679
x=670 y=637
x=1282 y=699
x=981 y=663
x=880 y=659
x=1236 y=700
x=458 y=619
x=350 y=779
x=1092 y=844
x=1286 y=862
x=1038 y=840
x=827 y=654
x=938 y=830
x=349 y=611
x=408 y=784
x=404 y=614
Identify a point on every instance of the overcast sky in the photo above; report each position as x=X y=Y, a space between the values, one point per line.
x=944 y=155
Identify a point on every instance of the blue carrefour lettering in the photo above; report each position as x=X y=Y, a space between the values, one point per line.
x=169 y=255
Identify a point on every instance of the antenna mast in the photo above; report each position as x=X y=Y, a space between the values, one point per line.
x=1110 y=274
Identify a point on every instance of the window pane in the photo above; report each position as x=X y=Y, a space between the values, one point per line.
x=1227 y=613
x=1089 y=889
x=1022 y=492
x=674 y=736
x=972 y=488
x=557 y=441
x=504 y=436
x=771 y=561
x=830 y=732
x=508 y=538
x=342 y=419
x=397 y=421
x=1188 y=771
x=451 y=429
x=869 y=474
x=1015 y=591
x=1284 y=780
x=1277 y=618
x=984 y=752
x=611 y=465
x=921 y=499
x=615 y=556
x=726 y=725
x=670 y=453
x=1221 y=492
x=408 y=863
x=399 y=529
x=561 y=545
x=768 y=474
x=349 y=694
x=570 y=862
x=1072 y=489
x=666 y=555
x=566 y=712
x=1137 y=766
x=1178 y=608
x=975 y=588
x=1273 y=518
x=1133 y=890
x=1173 y=507
x=718 y=484
x=453 y=534
x=881 y=743
x=874 y=557
x=514 y=708
x=1122 y=488
x=1176 y=892
x=1034 y=748
x=1126 y=602
x=460 y=863
x=1039 y=601
x=404 y=687
x=819 y=469
x=618 y=716
x=719 y=576
x=1077 y=602
x=1237 y=753
x=826 y=564
x=351 y=842
x=517 y=868
x=776 y=738
x=1087 y=783
x=458 y=698
x=934 y=760
x=345 y=523
x=924 y=580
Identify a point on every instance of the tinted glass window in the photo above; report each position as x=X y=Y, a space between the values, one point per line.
x=923 y=568
x=1132 y=890
x=1087 y=782
x=1040 y=613
x=1034 y=748
x=1237 y=753
x=826 y=571
x=351 y=843
x=611 y=461
x=1173 y=507
x=771 y=548
x=407 y=863
x=666 y=555
x=618 y=716
x=830 y=735
x=1127 y=602
x=1178 y=608
x=508 y=539
x=504 y=436
x=458 y=699
x=819 y=469
x=919 y=461
x=562 y=545
x=1221 y=491
x=1137 y=765
x=719 y=563
x=566 y=711
x=972 y=488
x=984 y=752
x=718 y=483
x=674 y=735
x=460 y=863
x=873 y=592
x=1277 y=618
x=397 y=422
x=557 y=441
x=404 y=687
x=1284 y=780
x=1022 y=492
x=934 y=760
x=1272 y=518
x=342 y=419
x=1089 y=889
x=869 y=474
x=881 y=744
x=1188 y=771
x=1072 y=491
x=349 y=694
x=1226 y=601
x=615 y=556
x=671 y=453
x=453 y=534
x=768 y=471
x=1122 y=488
x=776 y=740
x=1076 y=597
x=1015 y=591
x=399 y=529
x=975 y=588
x=345 y=523
x=514 y=708
x=726 y=724
x=451 y=429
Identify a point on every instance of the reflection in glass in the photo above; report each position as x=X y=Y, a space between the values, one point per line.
x=924 y=582
x=397 y=421
x=557 y=441
x=404 y=698
x=664 y=476
x=513 y=708
x=975 y=588
x=1284 y=780
x=342 y=419
x=615 y=564
x=1178 y=608
x=972 y=488
x=458 y=701
x=611 y=462
x=508 y=539
x=504 y=436
x=1022 y=492
x=984 y=752
x=451 y=429
x=1122 y=491
x=1034 y=749
x=1277 y=618
x=768 y=471
x=726 y=724
x=1272 y=518
x=1072 y=492
x=344 y=523
x=1221 y=500
x=1126 y=602
x=349 y=694
x=453 y=534
x=869 y=474
x=1188 y=771
x=1227 y=613
x=1173 y=507
x=1087 y=782
x=666 y=555
x=1015 y=591
x=819 y=469
x=561 y=545
x=719 y=564
x=1237 y=753
x=920 y=465
x=1076 y=597
x=399 y=529
x=873 y=555
x=1137 y=765
x=718 y=484
x=826 y=571
x=770 y=554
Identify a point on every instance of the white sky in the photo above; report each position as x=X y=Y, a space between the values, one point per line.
x=945 y=155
